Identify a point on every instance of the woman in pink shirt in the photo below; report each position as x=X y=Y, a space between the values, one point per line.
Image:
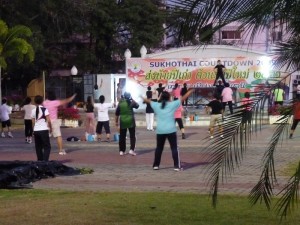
x=176 y=92
x=227 y=97
x=178 y=119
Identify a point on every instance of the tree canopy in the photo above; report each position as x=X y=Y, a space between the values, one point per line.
x=92 y=34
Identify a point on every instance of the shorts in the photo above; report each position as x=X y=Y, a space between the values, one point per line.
x=6 y=123
x=104 y=124
x=215 y=119
x=55 y=124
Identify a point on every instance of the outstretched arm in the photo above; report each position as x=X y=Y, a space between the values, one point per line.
x=67 y=100
x=186 y=95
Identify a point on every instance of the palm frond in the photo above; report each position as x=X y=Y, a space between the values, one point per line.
x=253 y=15
x=288 y=54
x=290 y=194
x=263 y=190
x=226 y=154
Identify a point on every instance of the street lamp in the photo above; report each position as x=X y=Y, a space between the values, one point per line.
x=74 y=71
x=143 y=51
x=127 y=53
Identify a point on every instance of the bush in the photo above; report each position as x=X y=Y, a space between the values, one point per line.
x=68 y=113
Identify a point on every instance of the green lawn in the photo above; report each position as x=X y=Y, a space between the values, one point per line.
x=37 y=207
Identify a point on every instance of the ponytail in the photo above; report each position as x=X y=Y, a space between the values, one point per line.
x=165 y=97
x=163 y=104
x=37 y=112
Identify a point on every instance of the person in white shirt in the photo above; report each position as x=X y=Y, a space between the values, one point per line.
x=5 y=110
x=27 y=108
x=42 y=126
x=103 y=118
x=227 y=97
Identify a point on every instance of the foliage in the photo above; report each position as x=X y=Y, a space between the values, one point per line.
x=15 y=99
x=91 y=34
x=126 y=208
x=68 y=113
x=253 y=16
x=276 y=110
x=14 y=45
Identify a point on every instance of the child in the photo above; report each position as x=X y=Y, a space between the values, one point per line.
x=42 y=125
x=178 y=119
x=247 y=115
x=5 y=110
x=28 y=107
x=103 y=118
x=90 y=125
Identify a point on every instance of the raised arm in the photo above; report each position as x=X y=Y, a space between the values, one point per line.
x=146 y=100
x=186 y=95
x=67 y=100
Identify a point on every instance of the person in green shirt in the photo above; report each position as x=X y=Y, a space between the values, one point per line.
x=124 y=114
x=278 y=95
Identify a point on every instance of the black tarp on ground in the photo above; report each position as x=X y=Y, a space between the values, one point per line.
x=19 y=174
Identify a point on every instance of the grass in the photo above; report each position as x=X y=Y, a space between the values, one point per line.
x=41 y=207
x=289 y=169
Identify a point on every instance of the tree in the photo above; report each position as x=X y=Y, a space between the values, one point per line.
x=92 y=34
x=13 y=45
x=253 y=16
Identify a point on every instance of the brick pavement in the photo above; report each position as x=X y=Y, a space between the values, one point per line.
x=116 y=173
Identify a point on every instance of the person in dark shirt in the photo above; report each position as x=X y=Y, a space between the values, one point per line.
x=160 y=89
x=219 y=88
x=220 y=71
x=184 y=90
x=149 y=110
x=215 y=108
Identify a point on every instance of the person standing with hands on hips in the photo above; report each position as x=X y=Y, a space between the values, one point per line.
x=220 y=72
x=166 y=128
x=125 y=113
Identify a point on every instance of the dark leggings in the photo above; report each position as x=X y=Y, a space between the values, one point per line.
x=122 y=141
x=220 y=75
x=28 y=128
x=295 y=123
x=42 y=145
x=179 y=122
x=160 y=143
x=230 y=106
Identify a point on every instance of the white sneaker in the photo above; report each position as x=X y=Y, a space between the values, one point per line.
x=177 y=169
x=222 y=136
x=131 y=152
x=121 y=153
x=211 y=137
x=2 y=134
x=155 y=168
x=62 y=152
x=10 y=135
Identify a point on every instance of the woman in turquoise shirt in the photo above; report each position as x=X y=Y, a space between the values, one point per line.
x=166 y=127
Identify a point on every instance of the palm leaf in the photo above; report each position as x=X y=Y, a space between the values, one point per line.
x=290 y=194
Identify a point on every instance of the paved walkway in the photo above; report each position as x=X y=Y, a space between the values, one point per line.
x=127 y=173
